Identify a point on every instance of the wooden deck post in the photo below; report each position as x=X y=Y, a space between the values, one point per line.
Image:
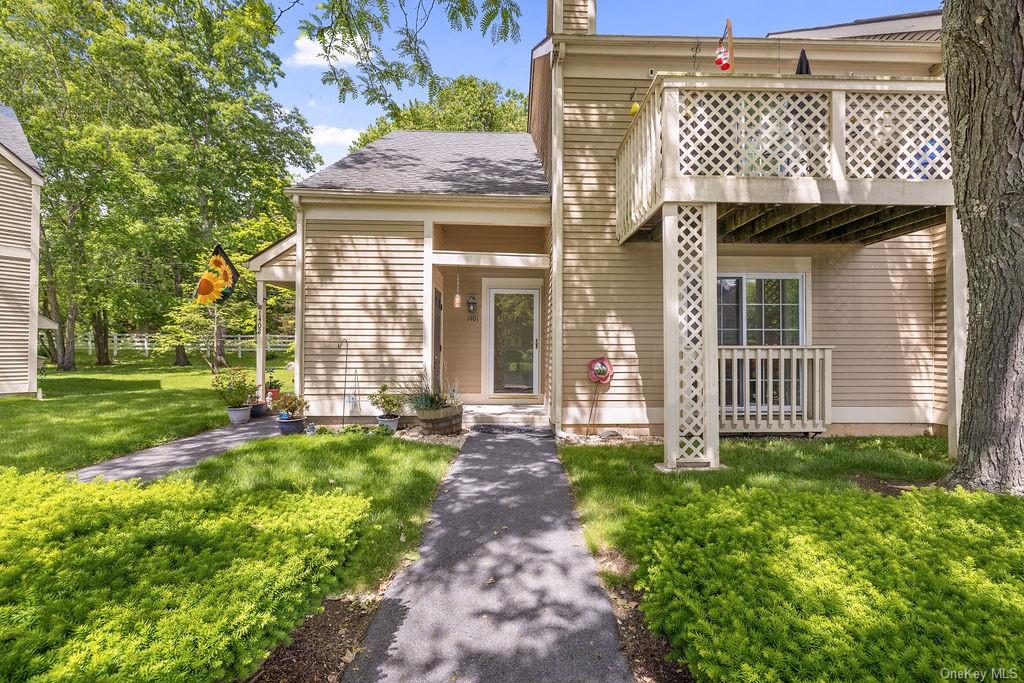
x=689 y=282
x=956 y=324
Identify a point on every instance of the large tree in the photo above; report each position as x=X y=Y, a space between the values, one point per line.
x=459 y=104
x=983 y=55
x=158 y=137
x=376 y=47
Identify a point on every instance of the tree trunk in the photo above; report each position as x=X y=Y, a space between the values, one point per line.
x=180 y=355
x=983 y=54
x=220 y=336
x=101 y=335
x=66 y=340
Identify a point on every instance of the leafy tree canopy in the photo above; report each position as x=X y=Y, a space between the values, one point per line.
x=374 y=47
x=463 y=103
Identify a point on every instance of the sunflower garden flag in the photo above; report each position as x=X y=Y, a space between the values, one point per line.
x=217 y=283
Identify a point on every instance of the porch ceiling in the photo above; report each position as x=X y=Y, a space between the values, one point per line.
x=813 y=223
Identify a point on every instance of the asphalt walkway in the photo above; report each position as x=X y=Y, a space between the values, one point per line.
x=504 y=589
x=158 y=461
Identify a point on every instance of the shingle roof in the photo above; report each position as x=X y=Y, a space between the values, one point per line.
x=13 y=138
x=441 y=163
x=860 y=22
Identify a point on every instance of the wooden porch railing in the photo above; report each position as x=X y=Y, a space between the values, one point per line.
x=772 y=389
x=842 y=130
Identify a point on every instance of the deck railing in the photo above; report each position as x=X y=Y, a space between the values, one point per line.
x=779 y=127
x=770 y=389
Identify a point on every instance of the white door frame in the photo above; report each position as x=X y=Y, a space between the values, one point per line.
x=491 y=286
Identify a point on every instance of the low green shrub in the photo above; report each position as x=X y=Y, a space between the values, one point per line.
x=763 y=584
x=380 y=430
x=353 y=429
x=235 y=387
x=171 y=581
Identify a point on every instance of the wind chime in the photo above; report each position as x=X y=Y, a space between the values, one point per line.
x=723 y=52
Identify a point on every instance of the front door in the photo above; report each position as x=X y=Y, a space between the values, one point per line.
x=514 y=342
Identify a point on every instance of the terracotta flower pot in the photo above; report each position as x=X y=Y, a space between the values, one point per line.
x=274 y=394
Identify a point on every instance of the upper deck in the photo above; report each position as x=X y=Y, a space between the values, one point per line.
x=809 y=140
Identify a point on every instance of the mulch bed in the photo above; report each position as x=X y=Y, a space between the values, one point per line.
x=646 y=651
x=323 y=645
x=886 y=487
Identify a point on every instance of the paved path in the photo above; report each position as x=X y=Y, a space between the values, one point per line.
x=505 y=589
x=158 y=461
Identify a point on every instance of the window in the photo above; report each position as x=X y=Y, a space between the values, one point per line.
x=760 y=310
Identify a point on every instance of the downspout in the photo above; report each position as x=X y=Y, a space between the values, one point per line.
x=557 y=217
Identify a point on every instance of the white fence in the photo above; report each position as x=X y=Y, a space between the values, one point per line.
x=234 y=343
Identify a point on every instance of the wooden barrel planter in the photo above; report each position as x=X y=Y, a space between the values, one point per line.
x=441 y=421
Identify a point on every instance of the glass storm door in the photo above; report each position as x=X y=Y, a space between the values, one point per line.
x=514 y=341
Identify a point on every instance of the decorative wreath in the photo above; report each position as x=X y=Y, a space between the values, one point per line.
x=600 y=370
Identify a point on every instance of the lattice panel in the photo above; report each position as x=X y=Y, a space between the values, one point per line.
x=754 y=134
x=690 y=262
x=898 y=136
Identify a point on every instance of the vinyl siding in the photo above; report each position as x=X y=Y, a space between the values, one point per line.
x=611 y=294
x=540 y=110
x=363 y=282
x=876 y=304
x=15 y=206
x=576 y=15
x=939 y=331
x=15 y=309
x=462 y=343
x=489 y=238
x=287 y=260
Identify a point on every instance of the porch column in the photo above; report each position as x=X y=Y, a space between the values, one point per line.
x=261 y=338
x=956 y=325
x=428 y=302
x=689 y=282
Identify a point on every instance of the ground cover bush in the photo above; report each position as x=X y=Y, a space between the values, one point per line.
x=171 y=581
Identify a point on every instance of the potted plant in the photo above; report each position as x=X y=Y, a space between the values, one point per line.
x=259 y=408
x=235 y=386
x=291 y=413
x=439 y=412
x=273 y=386
x=388 y=403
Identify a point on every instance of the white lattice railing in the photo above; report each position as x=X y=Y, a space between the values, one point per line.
x=770 y=389
x=779 y=127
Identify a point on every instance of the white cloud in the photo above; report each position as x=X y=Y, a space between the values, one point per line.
x=333 y=136
x=308 y=53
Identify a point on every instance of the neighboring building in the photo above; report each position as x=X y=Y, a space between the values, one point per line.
x=755 y=252
x=20 y=182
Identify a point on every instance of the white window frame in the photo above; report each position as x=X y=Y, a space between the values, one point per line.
x=804 y=320
x=509 y=285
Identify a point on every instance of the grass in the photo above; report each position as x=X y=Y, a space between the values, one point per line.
x=199 y=576
x=399 y=477
x=98 y=413
x=781 y=568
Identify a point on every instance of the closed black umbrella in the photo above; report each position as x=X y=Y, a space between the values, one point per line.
x=803 y=66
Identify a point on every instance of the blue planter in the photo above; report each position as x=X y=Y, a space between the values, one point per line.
x=294 y=426
x=259 y=410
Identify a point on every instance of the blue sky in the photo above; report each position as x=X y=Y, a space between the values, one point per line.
x=336 y=124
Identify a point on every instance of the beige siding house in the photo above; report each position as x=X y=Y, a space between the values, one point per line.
x=20 y=182
x=754 y=251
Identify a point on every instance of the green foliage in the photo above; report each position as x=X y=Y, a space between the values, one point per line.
x=399 y=477
x=171 y=581
x=292 y=404
x=381 y=430
x=235 y=386
x=387 y=402
x=272 y=382
x=763 y=584
x=353 y=429
x=781 y=568
x=420 y=394
x=373 y=47
x=466 y=103
x=99 y=413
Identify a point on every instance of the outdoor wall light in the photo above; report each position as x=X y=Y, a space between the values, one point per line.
x=471 y=304
x=457 y=302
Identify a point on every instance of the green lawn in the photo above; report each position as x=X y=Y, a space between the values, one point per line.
x=99 y=413
x=781 y=568
x=199 y=576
